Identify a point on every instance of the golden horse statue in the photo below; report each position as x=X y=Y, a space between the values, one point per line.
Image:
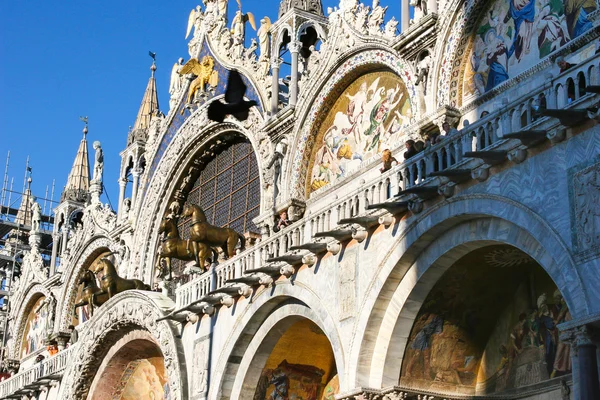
x=202 y=231
x=111 y=283
x=205 y=74
x=90 y=288
x=187 y=250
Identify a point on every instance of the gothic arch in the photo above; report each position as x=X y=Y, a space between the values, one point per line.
x=193 y=137
x=268 y=308
x=322 y=35
x=34 y=292
x=315 y=105
x=85 y=256
x=461 y=223
x=124 y=313
x=463 y=14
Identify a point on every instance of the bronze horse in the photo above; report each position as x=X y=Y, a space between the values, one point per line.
x=88 y=280
x=202 y=231
x=187 y=250
x=111 y=283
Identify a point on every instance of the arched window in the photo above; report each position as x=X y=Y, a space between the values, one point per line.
x=228 y=190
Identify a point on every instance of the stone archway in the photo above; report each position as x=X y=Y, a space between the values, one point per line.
x=325 y=93
x=257 y=331
x=485 y=317
x=134 y=368
x=34 y=294
x=94 y=248
x=131 y=311
x=462 y=224
x=191 y=139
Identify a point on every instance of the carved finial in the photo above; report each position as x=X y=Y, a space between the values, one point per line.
x=85 y=128
x=153 y=66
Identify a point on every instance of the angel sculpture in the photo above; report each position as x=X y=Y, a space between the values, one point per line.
x=194 y=20
x=238 y=25
x=205 y=74
x=263 y=37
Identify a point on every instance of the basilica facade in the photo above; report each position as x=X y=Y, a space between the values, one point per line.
x=410 y=211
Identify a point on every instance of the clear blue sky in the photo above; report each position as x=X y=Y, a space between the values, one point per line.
x=63 y=59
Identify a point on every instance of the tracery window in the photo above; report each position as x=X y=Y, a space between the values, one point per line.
x=228 y=190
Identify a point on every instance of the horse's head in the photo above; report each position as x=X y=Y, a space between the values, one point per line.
x=169 y=227
x=187 y=211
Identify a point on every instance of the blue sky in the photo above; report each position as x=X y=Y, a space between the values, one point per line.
x=63 y=59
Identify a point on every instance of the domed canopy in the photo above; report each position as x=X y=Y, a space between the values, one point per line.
x=313 y=6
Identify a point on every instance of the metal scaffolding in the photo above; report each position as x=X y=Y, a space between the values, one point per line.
x=15 y=225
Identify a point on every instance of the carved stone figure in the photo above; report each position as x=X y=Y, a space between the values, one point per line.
x=176 y=79
x=202 y=231
x=112 y=283
x=391 y=28
x=222 y=8
x=276 y=163
x=361 y=18
x=36 y=217
x=205 y=74
x=376 y=18
x=98 y=162
x=420 y=7
x=423 y=71
x=173 y=246
x=194 y=21
x=238 y=30
x=250 y=52
x=90 y=294
x=264 y=33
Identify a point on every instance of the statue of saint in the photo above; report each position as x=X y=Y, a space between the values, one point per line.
x=263 y=38
x=36 y=218
x=98 y=163
x=176 y=79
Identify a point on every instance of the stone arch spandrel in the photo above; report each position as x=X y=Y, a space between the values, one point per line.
x=126 y=312
x=259 y=317
x=93 y=248
x=34 y=292
x=316 y=105
x=191 y=138
x=502 y=221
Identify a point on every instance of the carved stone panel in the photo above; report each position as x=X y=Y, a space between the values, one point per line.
x=347 y=288
x=584 y=197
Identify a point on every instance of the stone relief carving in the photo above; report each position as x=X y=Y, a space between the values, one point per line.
x=586 y=207
x=128 y=310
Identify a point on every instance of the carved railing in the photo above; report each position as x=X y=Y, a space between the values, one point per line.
x=50 y=368
x=342 y=200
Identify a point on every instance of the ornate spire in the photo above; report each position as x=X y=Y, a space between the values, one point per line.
x=79 y=178
x=24 y=213
x=148 y=108
x=313 y=6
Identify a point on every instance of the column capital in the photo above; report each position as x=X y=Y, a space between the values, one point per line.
x=295 y=46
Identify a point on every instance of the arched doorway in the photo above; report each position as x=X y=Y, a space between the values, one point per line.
x=488 y=325
x=134 y=368
x=295 y=360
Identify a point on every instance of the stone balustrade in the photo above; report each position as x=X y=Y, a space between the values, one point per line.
x=51 y=368
x=350 y=196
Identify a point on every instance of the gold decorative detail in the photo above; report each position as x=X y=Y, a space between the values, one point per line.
x=173 y=246
x=204 y=72
x=203 y=232
x=90 y=295
x=111 y=283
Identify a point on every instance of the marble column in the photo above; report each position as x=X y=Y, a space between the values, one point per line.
x=122 y=186
x=134 y=190
x=275 y=87
x=589 y=384
x=404 y=15
x=55 y=242
x=294 y=50
x=65 y=237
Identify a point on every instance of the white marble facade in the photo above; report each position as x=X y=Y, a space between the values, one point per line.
x=365 y=281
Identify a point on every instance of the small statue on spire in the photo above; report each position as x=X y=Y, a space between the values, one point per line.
x=238 y=28
x=98 y=162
